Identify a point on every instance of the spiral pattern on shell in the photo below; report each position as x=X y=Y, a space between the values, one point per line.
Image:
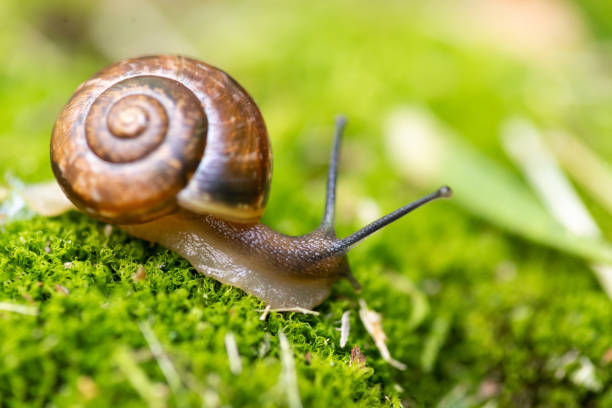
x=146 y=135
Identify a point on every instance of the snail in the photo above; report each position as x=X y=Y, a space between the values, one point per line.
x=176 y=152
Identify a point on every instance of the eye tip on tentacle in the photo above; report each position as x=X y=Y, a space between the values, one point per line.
x=445 y=191
x=327 y=224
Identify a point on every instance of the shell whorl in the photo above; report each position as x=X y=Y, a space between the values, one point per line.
x=146 y=135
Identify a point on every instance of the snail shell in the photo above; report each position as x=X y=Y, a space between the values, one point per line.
x=148 y=135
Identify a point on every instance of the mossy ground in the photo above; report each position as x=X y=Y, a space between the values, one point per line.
x=479 y=317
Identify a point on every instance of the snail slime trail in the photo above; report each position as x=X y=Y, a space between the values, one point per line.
x=176 y=152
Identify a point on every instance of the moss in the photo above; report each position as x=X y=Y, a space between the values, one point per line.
x=78 y=331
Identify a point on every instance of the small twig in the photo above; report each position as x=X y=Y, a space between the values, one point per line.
x=17 y=308
x=345 y=328
x=296 y=310
x=373 y=324
x=233 y=356
x=265 y=313
x=268 y=309
x=162 y=358
x=288 y=373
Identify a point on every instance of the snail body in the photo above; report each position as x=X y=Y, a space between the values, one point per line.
x=252 y=257
x=176 y=152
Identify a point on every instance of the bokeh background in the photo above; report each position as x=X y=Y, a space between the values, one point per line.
x=483 y=309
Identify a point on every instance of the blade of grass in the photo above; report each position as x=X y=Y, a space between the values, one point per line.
x=427 y=154
x=524 y=144
x=288 y=373
x=164 y=362
x=584 y=165
x=154 y=394
x=434 y=341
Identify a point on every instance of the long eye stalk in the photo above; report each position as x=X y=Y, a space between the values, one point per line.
x=369 y=229
x=332 y=177
x=327 y=224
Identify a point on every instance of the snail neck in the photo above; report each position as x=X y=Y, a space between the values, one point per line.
x=281 y=270
x=310 y=257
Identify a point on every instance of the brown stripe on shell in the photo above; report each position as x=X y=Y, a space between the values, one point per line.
x=90 y=161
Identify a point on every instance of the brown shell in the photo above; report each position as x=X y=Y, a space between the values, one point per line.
x=145 y=135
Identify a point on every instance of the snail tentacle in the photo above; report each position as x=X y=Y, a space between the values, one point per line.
x=327 y=223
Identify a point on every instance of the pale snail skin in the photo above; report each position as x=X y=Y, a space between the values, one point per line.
x=204 y=140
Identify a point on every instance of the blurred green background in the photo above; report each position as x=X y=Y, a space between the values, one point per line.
x=481 y=317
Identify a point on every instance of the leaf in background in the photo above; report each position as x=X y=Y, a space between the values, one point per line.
x=21 y=201
x=524 y=144
x=586 y=167
x=427 y=154
x=46 y=198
